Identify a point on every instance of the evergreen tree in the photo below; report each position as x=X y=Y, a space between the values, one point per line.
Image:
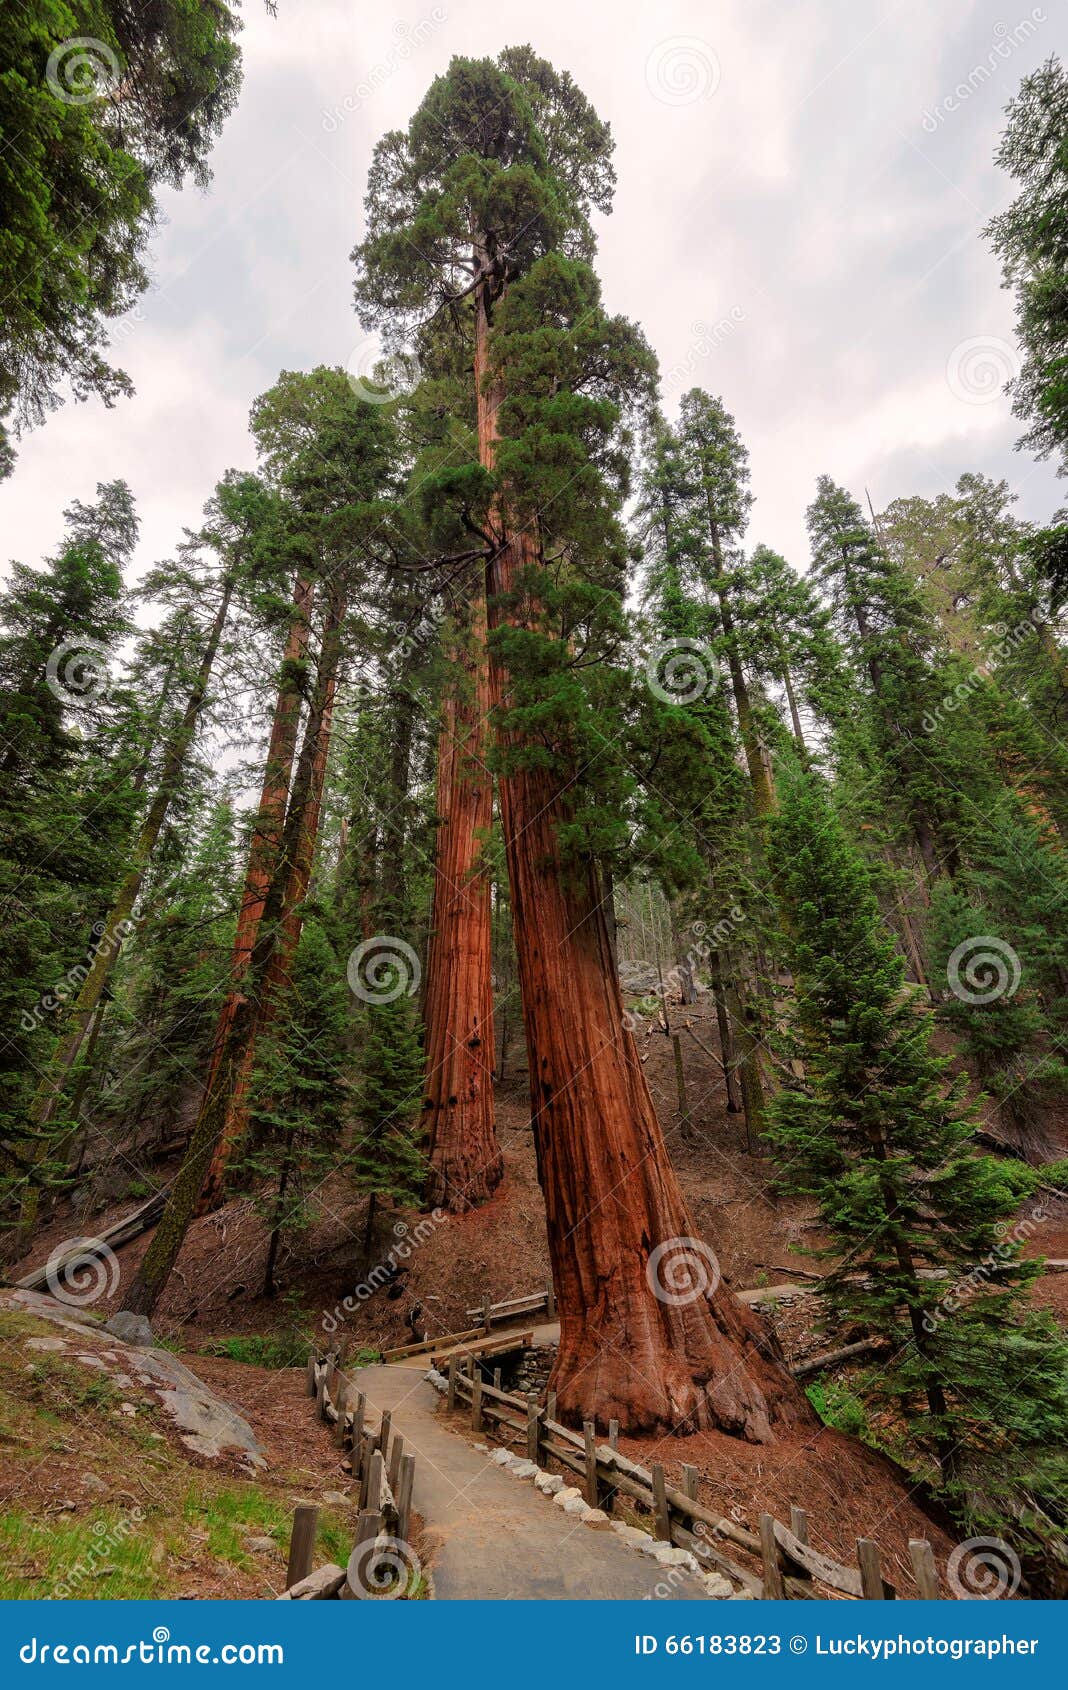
x=386 y=1160
x=880 y=1138
x=107 y=103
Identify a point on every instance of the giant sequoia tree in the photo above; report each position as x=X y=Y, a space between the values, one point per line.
x=481 y=210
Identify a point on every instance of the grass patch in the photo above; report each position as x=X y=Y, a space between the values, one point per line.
x=285 y=1349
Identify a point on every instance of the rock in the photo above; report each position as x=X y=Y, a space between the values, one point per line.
x=127 y=1408
x=596 y=1519
x=131 y=1328
x=632 y=1535
x=259 y=1545
x=568 y=1494
x=501 y=1457
x=717 y=1586
x=483 y=1449
x=90 y=1481
x=742 y=1596
x=523 y=1469
x=324 y=1583
x=549 y=1483
x=666 y=1555
x=335 y=1498
x=45 y=1344
x=68 y=1507
x=575 y=1506
x=92 y=1361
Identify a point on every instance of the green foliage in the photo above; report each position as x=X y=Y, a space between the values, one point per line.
x=877 y=1134
x=107 y=102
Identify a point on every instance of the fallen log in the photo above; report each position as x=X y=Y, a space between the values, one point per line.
x=816 y=1364
x=114 y=1237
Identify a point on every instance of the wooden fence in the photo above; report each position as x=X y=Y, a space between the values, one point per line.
x=385 y=1471
x=788 y=1565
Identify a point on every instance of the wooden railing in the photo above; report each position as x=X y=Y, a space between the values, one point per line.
x=386 y=1474
x=788 y=1565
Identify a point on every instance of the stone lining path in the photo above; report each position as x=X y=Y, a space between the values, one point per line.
x=496 y=1537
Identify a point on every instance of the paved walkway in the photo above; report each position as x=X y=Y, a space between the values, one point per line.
x=498 y=1538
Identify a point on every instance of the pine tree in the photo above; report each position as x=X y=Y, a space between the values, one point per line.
x=879 y=1136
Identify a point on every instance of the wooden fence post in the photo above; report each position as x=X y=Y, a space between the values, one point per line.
x=550 y=1405
x=689 y=1481
x=302 y=1543
x=394 y=1462
x=592 y=1493
x=367 y=1528
x=450 y=1401
x=383 y=1433
x=661 y=1510
x=376 y=1473
x=924 y=1569
x=356 y=1444
x=613 y=1434
x=533 y=1430
x=403 y=1495
x=342 y=1412
x=476 y=1403
x=774 y=1589
x=871 y=1578
x=320 y=1395
x=311 y=1382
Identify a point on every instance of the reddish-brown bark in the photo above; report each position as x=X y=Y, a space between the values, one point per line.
x=466 y=1165
x=635 y=1344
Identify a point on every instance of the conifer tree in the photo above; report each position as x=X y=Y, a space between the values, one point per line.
x=879 y=1136
x=486 y=198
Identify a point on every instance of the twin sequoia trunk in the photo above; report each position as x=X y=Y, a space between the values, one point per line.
x=648 y=1336
x=465 y=1158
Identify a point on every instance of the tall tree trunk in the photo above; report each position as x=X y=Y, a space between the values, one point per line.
x=231 y=1073
x=466 y=1165
x=655 y=1350
x=106 y=950
x=264 y=848
x=795 y=714
x=728 y=1051
x=755 y=756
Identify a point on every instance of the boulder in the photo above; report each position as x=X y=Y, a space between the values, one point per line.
x=131 y=1328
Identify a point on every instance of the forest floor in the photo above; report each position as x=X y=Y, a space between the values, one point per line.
x=446 y=1266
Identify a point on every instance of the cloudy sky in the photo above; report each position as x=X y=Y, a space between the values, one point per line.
x=803 y=186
